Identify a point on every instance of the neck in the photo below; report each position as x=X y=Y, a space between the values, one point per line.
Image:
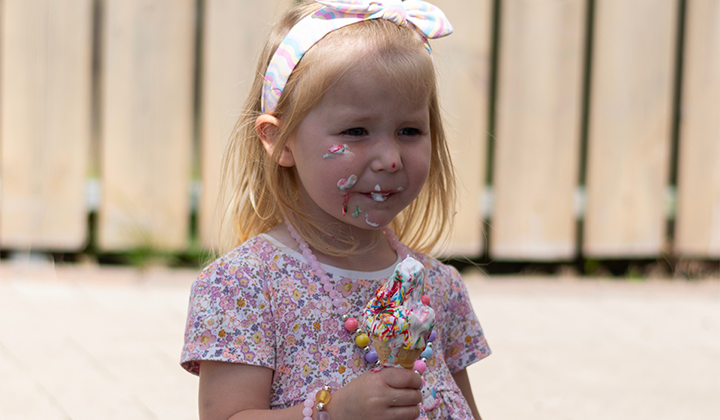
x=375 y=251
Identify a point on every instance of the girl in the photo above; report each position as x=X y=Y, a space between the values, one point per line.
x=333 y=151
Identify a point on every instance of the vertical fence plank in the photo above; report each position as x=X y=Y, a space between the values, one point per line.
x=630 y=121
x=232 y=42
x=45 y=136
x=147 y=122
x=463 y=62
x=538 y=130
x=698 y=216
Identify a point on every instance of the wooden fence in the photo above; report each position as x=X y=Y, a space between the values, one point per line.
x=600 y=111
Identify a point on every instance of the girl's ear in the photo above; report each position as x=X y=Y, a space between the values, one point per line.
x=267 y=128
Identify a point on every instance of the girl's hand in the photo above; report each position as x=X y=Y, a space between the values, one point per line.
x=392 y=393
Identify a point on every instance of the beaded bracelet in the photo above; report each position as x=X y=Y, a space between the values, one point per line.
x=320 y=400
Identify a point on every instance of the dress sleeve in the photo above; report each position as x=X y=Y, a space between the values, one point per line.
x=465 y=342
x=230 y=317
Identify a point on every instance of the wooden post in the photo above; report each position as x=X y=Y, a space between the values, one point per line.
x=538 y=130
x=45 y=113
x=630 y=121
x=232 y=41
x=463 y=61
x=147 y=123
x=697 y=227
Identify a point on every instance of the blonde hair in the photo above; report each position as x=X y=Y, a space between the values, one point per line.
x=262 y=193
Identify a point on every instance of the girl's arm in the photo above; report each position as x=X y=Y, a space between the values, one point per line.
x=219 y=398
x=234 y=391
x=463 y=382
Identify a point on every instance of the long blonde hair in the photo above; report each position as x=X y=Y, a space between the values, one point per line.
x=259 y=194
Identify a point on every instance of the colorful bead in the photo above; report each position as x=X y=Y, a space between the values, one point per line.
x=362 y=340
x=425 y=300
x=432 y=338
x=419 y=366
x=427 y=353
x=308 y=409
x=323 y=396
x=351 y=324
x=372 y=357
x=323 y=415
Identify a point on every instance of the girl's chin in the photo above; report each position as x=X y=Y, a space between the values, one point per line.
x=368 y=221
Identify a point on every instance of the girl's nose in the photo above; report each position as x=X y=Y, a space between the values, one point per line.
x=388 y=157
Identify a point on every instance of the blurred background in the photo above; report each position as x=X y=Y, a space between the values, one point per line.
x=586 y=138
x=586 y=133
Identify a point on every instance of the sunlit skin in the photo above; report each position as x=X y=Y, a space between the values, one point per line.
x=389 y=135
x=387 y=131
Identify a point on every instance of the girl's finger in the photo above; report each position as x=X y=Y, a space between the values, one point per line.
x=401 y=378
x=404 y=413
x=405 y=397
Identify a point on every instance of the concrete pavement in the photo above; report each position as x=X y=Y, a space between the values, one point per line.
x=82 y=342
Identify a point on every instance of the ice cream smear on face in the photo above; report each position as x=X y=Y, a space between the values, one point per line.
x=347 y=183
x=358 y=212
x=338 y=149
x=379 y=196
x=396 y=318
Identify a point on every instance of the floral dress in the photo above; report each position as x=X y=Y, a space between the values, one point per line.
x=261 y=304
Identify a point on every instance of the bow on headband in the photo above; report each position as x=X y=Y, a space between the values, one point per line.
x=427 y=19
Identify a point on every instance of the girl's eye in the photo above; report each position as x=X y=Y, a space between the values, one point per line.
x=409 y=132
x=357 y=131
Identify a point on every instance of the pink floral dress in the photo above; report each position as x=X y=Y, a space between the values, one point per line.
x=262 y=305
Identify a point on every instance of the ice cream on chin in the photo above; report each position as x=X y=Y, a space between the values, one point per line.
x=396 y=318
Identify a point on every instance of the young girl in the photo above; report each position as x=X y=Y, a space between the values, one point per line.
x=335 y=152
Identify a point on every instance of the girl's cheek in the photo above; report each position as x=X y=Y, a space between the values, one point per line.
x=335 y=166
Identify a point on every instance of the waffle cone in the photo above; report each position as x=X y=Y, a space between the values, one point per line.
x=405 y=358
x=382 y=349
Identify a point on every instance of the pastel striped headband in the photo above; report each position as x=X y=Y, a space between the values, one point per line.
x=424 y=17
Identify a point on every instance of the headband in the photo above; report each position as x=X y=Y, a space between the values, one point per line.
x=425 y=18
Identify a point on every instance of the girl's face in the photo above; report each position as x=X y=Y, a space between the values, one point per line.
x=363 y=154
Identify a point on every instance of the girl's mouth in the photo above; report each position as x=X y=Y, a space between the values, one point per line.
x=379 y=197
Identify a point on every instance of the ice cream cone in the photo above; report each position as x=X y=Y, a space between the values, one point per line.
x=404 y=357
x=382 y=349
x=398 y=317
